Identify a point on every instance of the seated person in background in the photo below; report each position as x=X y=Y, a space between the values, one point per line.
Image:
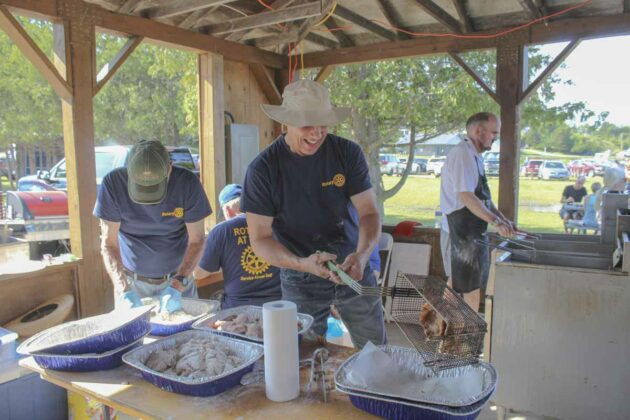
x=572 y=194
x=247 y=279
x=614 y=180
x=589 y=221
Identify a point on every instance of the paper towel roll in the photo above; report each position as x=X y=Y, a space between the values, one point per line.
x=282 y=371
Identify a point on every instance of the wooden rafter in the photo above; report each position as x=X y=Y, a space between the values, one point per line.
x=323 y=74
x=459 y=60
x=276 y=39
x=553 y=31
x=439 y=14
x=266 y=83
x=191 y=20
x=322 y=40
x=129 y=6
x=34 y=54
x=549 y=69
x=368 y=25
x=174 y=8
x=531 y=7
x=308 y=24
x=462 y=10
x=392 y=16
x=109 y=69
x=343 y=38
x=289 y=14
x=276 y=5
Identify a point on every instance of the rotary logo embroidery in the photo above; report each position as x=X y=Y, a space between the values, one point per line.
x=338 y=181
x=178 y=212
x=251 y=263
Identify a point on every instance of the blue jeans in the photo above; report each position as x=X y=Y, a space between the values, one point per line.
x=363 y=315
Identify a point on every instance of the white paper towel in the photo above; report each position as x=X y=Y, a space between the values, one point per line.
x=282 y=371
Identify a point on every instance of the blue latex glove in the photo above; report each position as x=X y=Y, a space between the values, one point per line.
x=131 y=299
x=170 y=300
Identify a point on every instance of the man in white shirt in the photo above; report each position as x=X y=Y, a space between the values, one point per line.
x=466 y=202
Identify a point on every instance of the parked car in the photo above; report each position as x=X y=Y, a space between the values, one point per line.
x=581 y=167
x=422 y=164
x=553 y=169
x=491 y=163
x=106 y=159
x=532 y=167
x=402 y=165
x=34 y=185
x=388 y=164
x=434 y=165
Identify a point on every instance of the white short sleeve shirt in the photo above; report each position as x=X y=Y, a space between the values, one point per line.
x=460 y=173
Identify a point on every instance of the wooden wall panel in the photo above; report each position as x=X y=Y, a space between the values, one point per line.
x=243 y=97
x=24 y=291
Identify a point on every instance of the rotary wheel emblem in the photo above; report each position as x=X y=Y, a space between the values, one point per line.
x=339 y=180
x=179 y=212
x=252 y=263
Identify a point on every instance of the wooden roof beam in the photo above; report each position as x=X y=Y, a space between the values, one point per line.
x=549 y=69
x=109 y=69
x=321 y=40
x=34 y=54
x=439 y=14
x=343 y=38
x=540 y=33
x=531 y=7
x=323 y=74
x=273 y=40
x=368 y=25
x=266 y=83
x=171 y=8
x=462 y=10
x=129 y=7
x=289 y=14
x=459 y=60
x=305 y=27
x=276 y=5
x=191 y=20
x=392 y=16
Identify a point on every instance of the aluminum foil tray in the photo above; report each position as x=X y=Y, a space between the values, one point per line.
x=85 y=362
x=95 y=334
x=200 y=387
x=197 y=307
x=395 y=409
x=205 y=323
x=412 y=361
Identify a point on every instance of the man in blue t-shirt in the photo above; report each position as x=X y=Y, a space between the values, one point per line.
x=151 y=227
x=247 y=279
x=296 y=195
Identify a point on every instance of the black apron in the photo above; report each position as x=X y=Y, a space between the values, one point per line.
x=470 y=262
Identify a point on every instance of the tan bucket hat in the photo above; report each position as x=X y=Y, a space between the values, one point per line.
x=306 y=103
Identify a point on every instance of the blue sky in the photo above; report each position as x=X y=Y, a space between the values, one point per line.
x=600 y=70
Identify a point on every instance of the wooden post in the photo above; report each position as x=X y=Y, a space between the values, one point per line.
x=212 y=131
x=74 y=56
x=510 y=70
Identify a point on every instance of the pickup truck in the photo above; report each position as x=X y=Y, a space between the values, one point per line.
x=107 y=158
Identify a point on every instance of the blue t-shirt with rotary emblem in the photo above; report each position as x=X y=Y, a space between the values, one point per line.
x=153 y=237
x=308 y=196
x=248 y=279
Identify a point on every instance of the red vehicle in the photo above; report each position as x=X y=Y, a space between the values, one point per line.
x=531 y=167
x=582 y=167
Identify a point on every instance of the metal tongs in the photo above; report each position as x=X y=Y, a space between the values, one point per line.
x=369 y=290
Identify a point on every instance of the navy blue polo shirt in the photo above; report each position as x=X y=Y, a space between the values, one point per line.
x=308 y=196
x=153 y=237
x=248 y=279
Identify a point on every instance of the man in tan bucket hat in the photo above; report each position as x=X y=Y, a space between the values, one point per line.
x=298 y=197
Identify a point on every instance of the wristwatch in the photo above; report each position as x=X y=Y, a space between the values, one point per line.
x=496 y=222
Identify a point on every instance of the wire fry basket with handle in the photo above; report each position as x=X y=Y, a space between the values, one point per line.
x=433 y=318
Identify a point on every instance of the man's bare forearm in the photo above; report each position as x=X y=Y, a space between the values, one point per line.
x=369 y=233
x=476 y=206
x=114 y=267
x=191 y=257
x=275 y=253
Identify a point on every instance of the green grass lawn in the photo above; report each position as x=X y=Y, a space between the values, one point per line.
x=420 y=196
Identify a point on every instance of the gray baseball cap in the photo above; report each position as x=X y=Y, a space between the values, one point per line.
x=147 y=170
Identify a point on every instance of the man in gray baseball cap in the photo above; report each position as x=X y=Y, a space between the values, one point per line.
x=152 y=227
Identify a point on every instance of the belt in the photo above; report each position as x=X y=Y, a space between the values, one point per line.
x=152 y=280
